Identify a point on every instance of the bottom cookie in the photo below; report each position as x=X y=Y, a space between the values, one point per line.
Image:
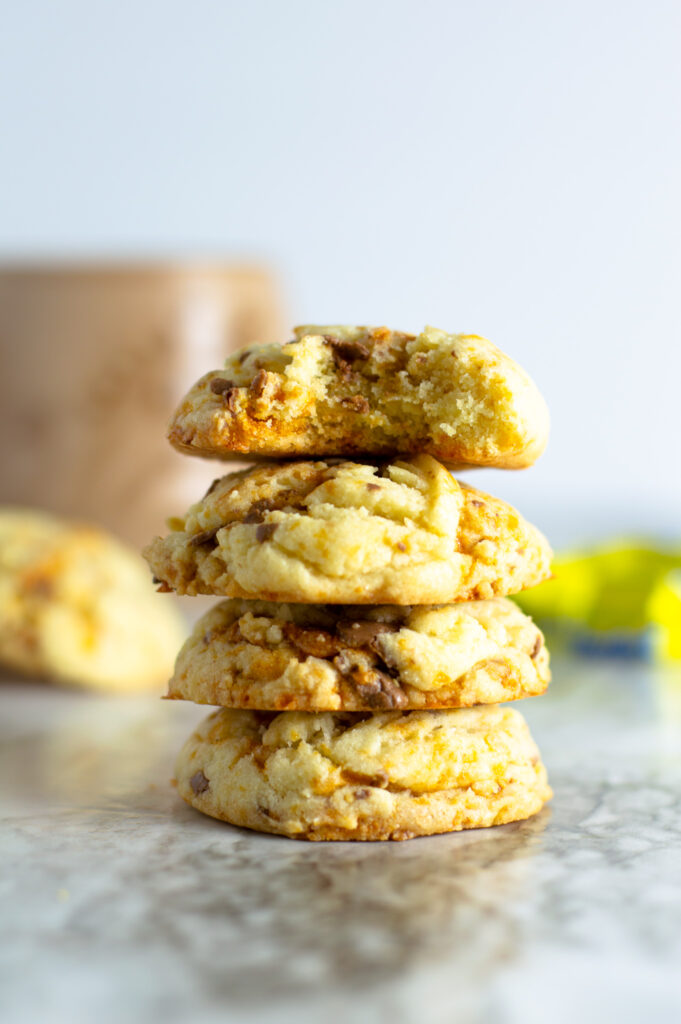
x=359 y=776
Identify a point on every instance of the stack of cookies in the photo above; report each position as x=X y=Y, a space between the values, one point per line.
x=366 y=641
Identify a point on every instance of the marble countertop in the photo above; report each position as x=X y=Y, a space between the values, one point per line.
x=121 y=903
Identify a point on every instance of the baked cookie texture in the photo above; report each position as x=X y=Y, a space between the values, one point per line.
x=345 y=390
x=402 y=532
x=77 y=606
x=251 y=654
x=392 y=775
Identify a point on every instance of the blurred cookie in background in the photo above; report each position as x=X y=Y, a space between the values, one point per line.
x=77 y=606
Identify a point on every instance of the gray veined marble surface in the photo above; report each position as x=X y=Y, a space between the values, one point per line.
x=121 y=904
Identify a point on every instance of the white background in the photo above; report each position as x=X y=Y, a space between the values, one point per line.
x=507 y=168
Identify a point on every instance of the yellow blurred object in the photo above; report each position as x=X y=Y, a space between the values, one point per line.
x=664 y=610
x=609 y=598
x=78 y=606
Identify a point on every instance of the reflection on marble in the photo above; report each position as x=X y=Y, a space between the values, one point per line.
x=119 y=902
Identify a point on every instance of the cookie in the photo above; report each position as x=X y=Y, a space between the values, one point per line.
x=77 y=606
x=301 y=657
x=340 y=391
x=391 y=775
x=404 y=532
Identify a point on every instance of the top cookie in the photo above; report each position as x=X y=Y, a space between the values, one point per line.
x=403 y=532
x=346 y=390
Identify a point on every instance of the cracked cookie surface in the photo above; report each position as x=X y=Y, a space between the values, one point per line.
x=402 y=532
x=254 y=654
x=341 y=390
x=391 y=775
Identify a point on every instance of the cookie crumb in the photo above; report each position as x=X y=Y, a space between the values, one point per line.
x=357 y=403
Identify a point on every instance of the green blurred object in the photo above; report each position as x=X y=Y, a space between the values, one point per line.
x=622 y=598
